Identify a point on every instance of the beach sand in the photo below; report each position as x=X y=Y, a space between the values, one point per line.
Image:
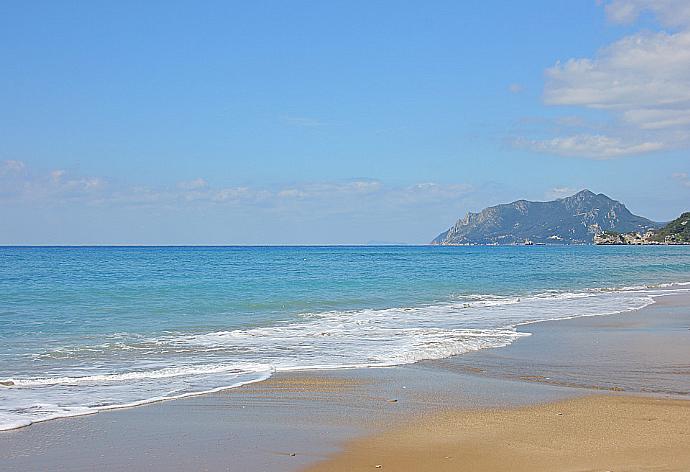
x=500 y=404
x=597 y=433
x=642 y=352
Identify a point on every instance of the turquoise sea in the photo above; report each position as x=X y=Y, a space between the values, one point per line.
x=84 y=329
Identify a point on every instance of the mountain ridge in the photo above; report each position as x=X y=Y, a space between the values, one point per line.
x=569 y=220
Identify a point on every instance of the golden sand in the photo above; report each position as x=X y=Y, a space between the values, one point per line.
x=596 y=433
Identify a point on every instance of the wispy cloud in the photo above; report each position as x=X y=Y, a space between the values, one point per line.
x=17 y=182
x=598 y=147
x=194 y=184
x=682 y=178
x=11 y=167
x=672 y=13
x=560 y=192
x=57 y=186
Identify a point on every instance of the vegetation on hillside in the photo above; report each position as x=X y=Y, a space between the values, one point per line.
x=677 y=231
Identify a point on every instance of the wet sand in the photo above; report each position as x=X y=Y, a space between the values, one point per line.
x=294 y=421
x=645 y=353
x=260 y=426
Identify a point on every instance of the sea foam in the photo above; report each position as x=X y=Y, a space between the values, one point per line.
x=181 y=364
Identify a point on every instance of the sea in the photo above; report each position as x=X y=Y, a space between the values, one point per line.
x=85 y=329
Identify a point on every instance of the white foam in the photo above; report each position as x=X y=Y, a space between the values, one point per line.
x=140 y=375
x=29 y=409
x=177 y=365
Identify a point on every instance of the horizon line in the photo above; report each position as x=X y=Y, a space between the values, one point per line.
x=209 y=245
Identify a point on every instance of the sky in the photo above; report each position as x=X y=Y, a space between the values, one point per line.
x=341 y=122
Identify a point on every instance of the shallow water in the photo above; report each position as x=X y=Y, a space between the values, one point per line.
x=85 y=329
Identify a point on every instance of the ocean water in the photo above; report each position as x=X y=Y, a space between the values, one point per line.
x=92 y=328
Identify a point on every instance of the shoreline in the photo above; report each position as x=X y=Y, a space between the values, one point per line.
x=312 y=414
x=622 y=428
x=517 y=328
x=654 y=333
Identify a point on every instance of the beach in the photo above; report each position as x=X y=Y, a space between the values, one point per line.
x=345 y=236
x=591 y=433
x=532 y=404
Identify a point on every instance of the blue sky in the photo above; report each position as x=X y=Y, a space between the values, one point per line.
x=331 y=122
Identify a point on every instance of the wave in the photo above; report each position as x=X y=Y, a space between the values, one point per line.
x=9 y=421
x=181 y=364
x=164 y=373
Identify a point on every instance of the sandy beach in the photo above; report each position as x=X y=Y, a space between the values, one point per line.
x=322 y=236
x=596 y=393
x=644 y=351
x=592 y=433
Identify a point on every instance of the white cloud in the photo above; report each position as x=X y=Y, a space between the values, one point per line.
x=16 y=182
x=91 y=183
x=232 y=194
x=11 y=167
x=673 y=13
x=349 y=211
x=515 y=88
x=642 y=81
x=194 y=184
x=57 y=175
x=364 y=186
x=62 y=182
x=59 y=186
x=560 y=192
x=434 y=190
x=645 y=71
x=658 y=119
x=327 y=189
x=292 y=193
x=599 y=147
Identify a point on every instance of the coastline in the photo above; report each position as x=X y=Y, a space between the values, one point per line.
x=312 y=414
x=634 y=413
x=470 y=333
x=639 y=351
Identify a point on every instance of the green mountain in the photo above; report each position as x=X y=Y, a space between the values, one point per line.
x=571 y=220
x=677 y=231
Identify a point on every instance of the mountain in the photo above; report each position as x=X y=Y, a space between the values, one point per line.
x=677 y=231
x=571 y=220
